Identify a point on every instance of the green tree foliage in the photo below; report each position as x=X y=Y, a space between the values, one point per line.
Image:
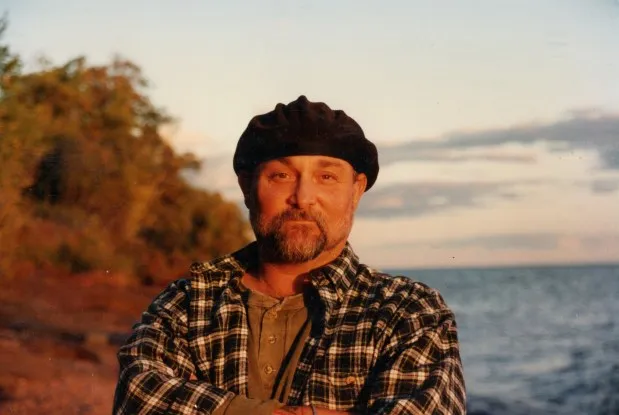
x=87 y=181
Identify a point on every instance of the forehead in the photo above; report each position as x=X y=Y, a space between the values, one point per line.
x=312 y=162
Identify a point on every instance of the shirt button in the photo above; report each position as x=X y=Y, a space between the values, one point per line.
x=271 y=315
x=272 y=339
x=350 y=380
x=268 y=369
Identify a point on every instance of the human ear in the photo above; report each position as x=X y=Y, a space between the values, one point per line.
x=359 y=185
x=245 y=180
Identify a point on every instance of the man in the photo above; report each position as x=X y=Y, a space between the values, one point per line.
x=294 y=323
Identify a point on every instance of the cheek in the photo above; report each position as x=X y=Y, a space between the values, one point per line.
x=339 y=203
x=270 y=200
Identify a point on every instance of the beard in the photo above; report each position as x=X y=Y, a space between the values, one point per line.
x=283 y=241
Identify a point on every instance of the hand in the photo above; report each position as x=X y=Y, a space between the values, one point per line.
x=293 y=410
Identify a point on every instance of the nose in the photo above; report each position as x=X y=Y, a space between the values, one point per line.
x=305 y=193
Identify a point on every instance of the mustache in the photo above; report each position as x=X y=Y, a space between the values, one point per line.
x=295 y=214
x=299 y=215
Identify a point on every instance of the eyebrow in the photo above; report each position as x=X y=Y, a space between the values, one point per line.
x=329 y=163
x=321 y=163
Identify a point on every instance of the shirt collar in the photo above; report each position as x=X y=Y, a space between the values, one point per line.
x=339 y=274
x=335 y=277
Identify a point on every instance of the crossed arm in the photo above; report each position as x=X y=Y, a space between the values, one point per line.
x=306 y=410
x=420 y=371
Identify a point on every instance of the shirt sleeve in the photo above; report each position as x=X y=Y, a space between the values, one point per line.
x=420 y=371
x=155 y=364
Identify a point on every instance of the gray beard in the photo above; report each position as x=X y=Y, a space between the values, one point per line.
x=276 y=247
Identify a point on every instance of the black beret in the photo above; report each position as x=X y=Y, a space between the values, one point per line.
x=305 y=128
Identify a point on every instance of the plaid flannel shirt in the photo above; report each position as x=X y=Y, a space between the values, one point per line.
x=379 y=344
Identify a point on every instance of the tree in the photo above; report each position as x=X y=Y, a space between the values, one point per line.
x=88 y=182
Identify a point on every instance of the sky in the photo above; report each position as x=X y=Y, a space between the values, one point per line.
x=497 y=122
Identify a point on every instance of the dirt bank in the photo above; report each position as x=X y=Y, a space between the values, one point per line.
x=58 y=342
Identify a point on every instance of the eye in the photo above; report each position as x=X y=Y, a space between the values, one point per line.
x=279 y=176
x=328 y=177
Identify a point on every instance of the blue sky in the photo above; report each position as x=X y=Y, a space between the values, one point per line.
x=497 y=122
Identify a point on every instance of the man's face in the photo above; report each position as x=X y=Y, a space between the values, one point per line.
x=301 y=206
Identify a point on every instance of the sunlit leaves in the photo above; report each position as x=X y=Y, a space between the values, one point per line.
x=88 y=182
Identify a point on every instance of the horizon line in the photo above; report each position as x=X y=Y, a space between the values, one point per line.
x=510 y=266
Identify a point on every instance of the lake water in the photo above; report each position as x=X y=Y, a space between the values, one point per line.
x=535 y=340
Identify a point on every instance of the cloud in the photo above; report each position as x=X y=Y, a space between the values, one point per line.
x=581 y=130
x=542 y=241
x=600 y=241
x=416 y=199
x=601 y=186
x=598 y=186
x=510 y=158
x=409 y=152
